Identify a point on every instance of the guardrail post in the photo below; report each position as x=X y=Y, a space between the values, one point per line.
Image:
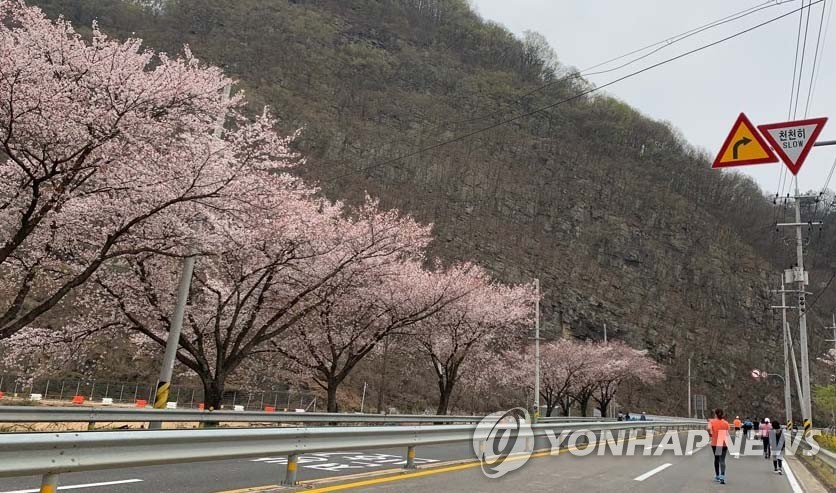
x=91 y=426
x=49 y=483
x=410 y=458
x=292 y=465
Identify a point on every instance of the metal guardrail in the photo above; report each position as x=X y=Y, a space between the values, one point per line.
x=822 y=453
x=50 y=454
x=571 y=419
x=26 y=414
x=568 y=419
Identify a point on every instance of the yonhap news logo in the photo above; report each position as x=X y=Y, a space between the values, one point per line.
x=503 y=441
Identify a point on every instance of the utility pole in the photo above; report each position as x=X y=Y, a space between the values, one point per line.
x=785 y=329
x=363 y=400
x=689 y=388
x=605 y=333
x=795 y=366
x=173 y=341
x=536 y=351
x=799 y=276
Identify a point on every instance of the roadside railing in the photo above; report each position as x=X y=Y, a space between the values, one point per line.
x=51 y=454
x=93 y=415
x=821 y=452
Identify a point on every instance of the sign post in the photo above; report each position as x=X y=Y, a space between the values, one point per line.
x=792 y=141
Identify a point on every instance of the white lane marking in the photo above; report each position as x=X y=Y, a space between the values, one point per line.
x=654 y=471
x=691 y=452
x=796 y=488
x=79 y=486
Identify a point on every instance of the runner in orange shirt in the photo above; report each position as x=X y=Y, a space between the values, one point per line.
x=718 y=429
x=737 y=425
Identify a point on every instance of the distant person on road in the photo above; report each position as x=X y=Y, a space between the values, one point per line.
x=627 y=417
x=777 y=448
x=620 y=416
x=737 y=424
x=765 y=430
x=644 y=417
x=718 y=430
x=747 y=427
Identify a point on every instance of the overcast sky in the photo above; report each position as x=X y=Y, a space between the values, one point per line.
x=701 y=94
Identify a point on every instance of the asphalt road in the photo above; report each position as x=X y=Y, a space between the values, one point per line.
x=565 y=473
x=551 y=473
x=206 y=477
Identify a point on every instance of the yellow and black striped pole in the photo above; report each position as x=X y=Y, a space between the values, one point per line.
x=789 y=425
x=808 y=426
x=173 y=341
x=161 y=396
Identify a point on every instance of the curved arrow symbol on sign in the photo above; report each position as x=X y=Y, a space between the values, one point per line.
x=741 y=142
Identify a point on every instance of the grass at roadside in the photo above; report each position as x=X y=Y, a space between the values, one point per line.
x=826 y=441
x=821 y=470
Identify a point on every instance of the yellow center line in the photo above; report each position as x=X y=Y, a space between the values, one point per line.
x=429 y=472
x=418 y=474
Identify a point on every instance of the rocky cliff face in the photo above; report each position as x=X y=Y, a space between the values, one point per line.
x=621 y=220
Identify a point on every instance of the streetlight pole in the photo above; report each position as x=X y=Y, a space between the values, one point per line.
x=536 y=351
x=173 y=340
x=689 y=388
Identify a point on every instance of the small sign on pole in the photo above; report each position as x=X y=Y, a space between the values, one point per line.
x=756 y=374
x=793 y=140
x=743 y=146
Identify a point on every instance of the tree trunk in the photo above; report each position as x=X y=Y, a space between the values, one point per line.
x=550 y=407
x=565 y=405
x=604 y=406
x=213 y=393
x=583 y=403
x=445 y=390
x=443 y=402
x=332 y=396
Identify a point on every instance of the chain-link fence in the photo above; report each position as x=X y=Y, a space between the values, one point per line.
x=185 y=396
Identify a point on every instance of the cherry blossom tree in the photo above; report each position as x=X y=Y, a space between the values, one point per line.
x=375 y=303
x=564 y=363
x=613 y=364
x=487 y=317
x=272 y=262
x=107 y=150
x=561 y=364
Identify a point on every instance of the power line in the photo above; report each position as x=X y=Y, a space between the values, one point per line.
x=816 y=61
x=576 y=96
x=824 y=46
x=813 y=303
x=587 y=71
x=782 y=171
x=795 y=63
x=801 y=66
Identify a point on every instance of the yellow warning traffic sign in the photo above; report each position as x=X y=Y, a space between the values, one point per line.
x=744 y=145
